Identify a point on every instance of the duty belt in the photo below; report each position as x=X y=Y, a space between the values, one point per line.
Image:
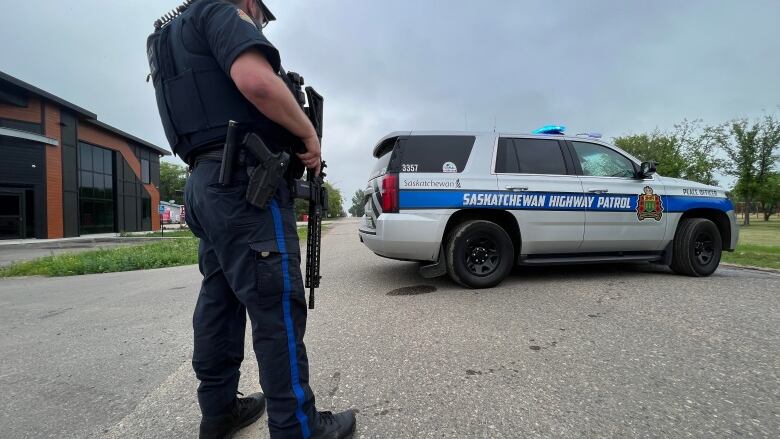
x=211 y=155
x=216 y=155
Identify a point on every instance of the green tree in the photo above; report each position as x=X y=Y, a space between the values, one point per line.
x=334 y=203
x=173 y=177
x=699 y=144
x=687 y=152
x=657 y=146
x=769 y=195
x=358 y=208
x=301 y=208
x=751 y=148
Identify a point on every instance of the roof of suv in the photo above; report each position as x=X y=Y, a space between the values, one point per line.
x=381 y=145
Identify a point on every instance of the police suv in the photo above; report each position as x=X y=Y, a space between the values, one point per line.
x=475 y=204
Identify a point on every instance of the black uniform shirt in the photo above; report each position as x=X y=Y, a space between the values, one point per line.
x=227 y=32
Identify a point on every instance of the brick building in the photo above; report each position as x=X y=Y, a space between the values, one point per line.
x=63 y=173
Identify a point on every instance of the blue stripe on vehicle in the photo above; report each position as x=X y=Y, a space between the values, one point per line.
x=295 y=377
x=680 y=203
x=555 y=201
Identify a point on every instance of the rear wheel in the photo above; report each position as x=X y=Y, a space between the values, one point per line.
x=697 y=247
x=480 y=254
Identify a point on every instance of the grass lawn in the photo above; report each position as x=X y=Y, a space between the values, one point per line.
x=159 y=254
x=168 y=253
x=759 y=244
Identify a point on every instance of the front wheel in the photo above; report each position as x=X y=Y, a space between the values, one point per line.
x=697 y=247
x=480 y=254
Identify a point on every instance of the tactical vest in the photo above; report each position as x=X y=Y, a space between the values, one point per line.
x=197 y=101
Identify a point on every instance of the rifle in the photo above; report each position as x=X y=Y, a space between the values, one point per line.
x=313 y=188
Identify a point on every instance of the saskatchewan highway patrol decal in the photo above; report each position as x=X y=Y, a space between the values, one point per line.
x=649 y=205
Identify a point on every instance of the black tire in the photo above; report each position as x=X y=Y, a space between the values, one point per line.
x=697 y=248
x=479 y=254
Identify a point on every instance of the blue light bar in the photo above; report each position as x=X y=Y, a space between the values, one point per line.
x=550 y=129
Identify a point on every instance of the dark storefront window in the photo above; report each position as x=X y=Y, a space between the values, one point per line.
x=146 y=207
x=145 y=171
x=10 y=215
x=96 y=189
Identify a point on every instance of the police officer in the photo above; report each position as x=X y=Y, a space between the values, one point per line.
x=210 y=64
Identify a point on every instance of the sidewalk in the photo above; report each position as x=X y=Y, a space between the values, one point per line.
x=324 y=222
x=103 y=238
x=53 y=242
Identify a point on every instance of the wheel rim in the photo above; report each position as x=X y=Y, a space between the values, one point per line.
x=482 y=256
x=704 y=248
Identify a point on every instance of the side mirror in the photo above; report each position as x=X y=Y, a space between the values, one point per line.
x=647 y=169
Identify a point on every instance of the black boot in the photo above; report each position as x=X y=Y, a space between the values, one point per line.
x=338 y=426
x=244 y=413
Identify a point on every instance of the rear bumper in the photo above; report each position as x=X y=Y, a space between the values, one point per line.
x=405 y=236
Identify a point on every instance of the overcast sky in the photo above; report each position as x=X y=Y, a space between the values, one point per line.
x=615 y=67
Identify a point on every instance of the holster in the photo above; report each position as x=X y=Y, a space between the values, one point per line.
x=264 y=178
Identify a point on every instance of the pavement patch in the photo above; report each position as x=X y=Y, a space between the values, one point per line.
x=54 y=313
x=412 y=290
x=334 y=386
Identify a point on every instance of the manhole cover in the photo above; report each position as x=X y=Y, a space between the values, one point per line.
x=412 y=291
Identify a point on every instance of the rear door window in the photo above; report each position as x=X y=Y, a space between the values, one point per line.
x=431 y=154
x=530 y=156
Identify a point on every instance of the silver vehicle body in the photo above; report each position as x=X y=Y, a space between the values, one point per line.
x=557 y=214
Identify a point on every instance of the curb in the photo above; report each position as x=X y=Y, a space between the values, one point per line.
x=751 y=267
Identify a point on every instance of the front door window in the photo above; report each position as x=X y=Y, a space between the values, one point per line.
x=600 y=161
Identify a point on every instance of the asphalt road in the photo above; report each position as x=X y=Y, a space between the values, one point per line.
x=559 y=352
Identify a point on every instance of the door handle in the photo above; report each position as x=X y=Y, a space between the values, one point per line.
x=517 y=188
x=598 y=191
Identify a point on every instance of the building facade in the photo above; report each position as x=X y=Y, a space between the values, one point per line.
x=63 y=173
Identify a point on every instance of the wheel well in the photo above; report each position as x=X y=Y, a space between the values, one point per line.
x=720 y=219
x=506 y=220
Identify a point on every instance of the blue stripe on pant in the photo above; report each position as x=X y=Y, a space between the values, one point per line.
x=291 y=342
x=250 y=260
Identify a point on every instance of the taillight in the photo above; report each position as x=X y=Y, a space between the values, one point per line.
x=390 y=193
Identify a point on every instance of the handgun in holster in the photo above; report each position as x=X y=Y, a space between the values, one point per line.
x=264 y=177
x=269 y=172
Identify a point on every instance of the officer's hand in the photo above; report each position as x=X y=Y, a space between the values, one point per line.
x=311 y=158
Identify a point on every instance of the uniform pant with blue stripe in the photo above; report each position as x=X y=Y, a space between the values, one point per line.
x=250 y=261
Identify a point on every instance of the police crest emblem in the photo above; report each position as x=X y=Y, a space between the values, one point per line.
x=649 y=205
